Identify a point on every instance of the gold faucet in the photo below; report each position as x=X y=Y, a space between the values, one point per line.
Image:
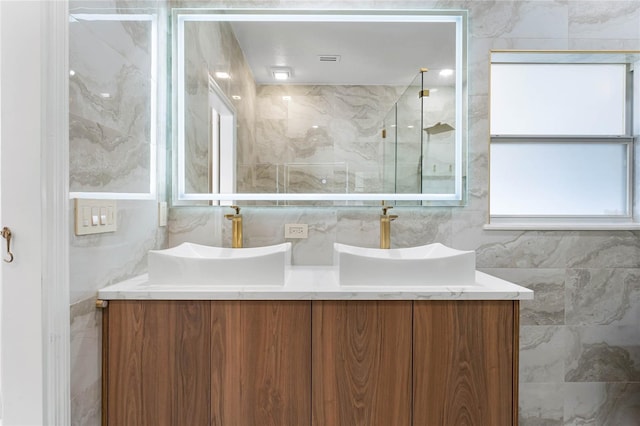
x=236 y=227
x=385 y=227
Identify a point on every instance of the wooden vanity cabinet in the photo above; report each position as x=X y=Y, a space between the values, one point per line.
x=465 y=362
x=156 y=363
x=261 y=363
x=194 y=363
x=320 y=363
x=361 y=363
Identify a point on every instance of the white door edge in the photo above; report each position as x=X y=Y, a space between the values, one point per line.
x=55 y=213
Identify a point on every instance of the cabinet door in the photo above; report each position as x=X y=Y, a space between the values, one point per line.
x=261 y=354
x=156 y=366
x=465 y=362
x=361 y=363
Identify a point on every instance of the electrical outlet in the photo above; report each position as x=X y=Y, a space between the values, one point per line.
x=296 y=230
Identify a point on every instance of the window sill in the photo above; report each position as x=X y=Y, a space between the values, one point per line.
x=576 y=226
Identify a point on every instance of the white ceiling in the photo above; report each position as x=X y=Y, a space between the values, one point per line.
x=372 y=53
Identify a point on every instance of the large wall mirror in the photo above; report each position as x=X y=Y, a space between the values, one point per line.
x=275 y=107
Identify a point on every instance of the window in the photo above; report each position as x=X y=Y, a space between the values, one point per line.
x=562 y=144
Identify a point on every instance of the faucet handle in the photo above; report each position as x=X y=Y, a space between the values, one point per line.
x=385 y=208
x=236 y=208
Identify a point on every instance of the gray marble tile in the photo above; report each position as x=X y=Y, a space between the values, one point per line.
x=604 y=19
x=607 y=296
x=541 y=404
x=200 y=225
x=599 y=44
x=518 y=19
x=413 y=227
x=86 y=368
x=548 y=305
x=265 y=226
x=518 y=249
x=477 y=181
x=602 y=404
x=603 y=354
x=418 y=226
x=604 y=249
x=466 y=229
x=541 y=354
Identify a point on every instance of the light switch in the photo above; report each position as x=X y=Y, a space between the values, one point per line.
x=95 y=216
x=86 y=216
x=110 y=215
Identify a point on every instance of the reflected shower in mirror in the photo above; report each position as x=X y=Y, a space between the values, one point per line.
x=308 y=98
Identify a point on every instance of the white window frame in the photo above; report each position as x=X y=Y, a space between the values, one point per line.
x=626 y=220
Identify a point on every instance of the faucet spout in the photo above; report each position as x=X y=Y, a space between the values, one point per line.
x=236 y=227
x=385 y=227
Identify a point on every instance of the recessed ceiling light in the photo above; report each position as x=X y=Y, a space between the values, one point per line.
x=446 y=72
x=72 y=73
x=410 y=126
x=236 y=97
x=223 y=75
x=281 y=73
x=105 y=95
x=314 y=127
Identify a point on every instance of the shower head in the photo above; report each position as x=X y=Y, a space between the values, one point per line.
x=438 y=128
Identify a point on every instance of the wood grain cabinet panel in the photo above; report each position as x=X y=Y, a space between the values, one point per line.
x=157 y=363
x=465 y=363
x=361 y=363
x=262 y=363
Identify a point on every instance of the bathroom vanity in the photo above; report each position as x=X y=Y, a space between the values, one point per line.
x=311 y=352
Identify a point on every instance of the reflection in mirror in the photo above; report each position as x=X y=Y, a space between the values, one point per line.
x=113 y=104
x=418 y=154
x=356 y=121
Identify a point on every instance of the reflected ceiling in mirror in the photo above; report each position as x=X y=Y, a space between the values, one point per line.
x=347 y=126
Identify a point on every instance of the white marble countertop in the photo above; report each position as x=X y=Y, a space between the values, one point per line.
x=316 y=283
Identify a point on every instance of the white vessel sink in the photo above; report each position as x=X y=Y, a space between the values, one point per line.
x=429 y=265
x=195 y=264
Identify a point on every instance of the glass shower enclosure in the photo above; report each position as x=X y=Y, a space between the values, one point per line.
x=419 y=141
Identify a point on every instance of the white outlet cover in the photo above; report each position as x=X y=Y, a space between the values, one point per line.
x=296 y=230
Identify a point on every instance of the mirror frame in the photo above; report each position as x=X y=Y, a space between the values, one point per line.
x=181 y=15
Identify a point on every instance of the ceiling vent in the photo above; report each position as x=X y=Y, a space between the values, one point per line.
x=329 y=58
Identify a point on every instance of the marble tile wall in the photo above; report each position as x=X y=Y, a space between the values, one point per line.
x=580 y=337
